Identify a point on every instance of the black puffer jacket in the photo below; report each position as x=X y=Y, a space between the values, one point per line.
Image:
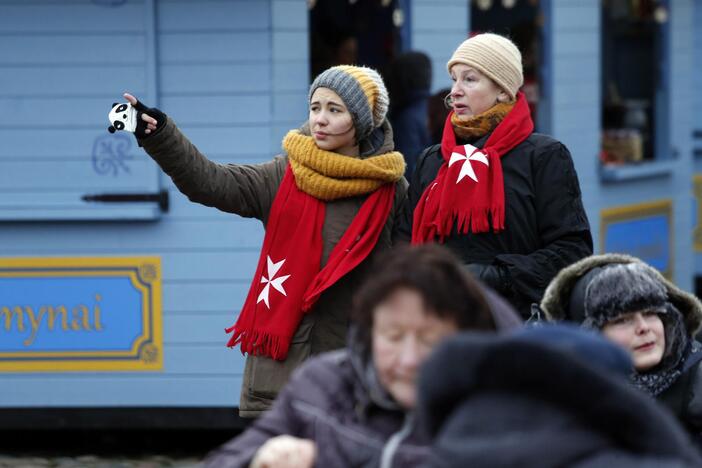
x=336 y=401
x=503 y=402
x=546 y=227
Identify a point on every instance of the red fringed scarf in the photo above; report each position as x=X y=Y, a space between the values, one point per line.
x=468 y=190
x=288 y=280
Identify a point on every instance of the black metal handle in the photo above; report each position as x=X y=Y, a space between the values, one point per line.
x=161 y=198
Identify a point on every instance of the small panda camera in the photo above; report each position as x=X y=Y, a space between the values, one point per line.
x=122 y=117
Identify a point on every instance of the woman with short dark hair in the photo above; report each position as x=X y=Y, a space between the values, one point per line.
x=354 y=407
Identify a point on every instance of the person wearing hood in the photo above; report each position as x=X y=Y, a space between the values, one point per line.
x=544 y=397
x=328 y=205
x=409 y=82
x=506 y=200
x=635 y=306
x=354 y=407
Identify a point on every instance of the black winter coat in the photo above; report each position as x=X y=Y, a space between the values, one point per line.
x=684 y=397
x=546 y=227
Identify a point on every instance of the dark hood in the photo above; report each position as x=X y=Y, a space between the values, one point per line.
x=509 y=401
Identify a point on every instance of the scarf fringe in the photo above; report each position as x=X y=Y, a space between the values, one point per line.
x=259 y=343
x=476 y=220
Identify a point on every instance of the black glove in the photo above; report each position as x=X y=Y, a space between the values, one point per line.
x=495 y=276
x=141 y=125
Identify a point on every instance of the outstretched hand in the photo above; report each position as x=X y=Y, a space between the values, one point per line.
x=151 y=122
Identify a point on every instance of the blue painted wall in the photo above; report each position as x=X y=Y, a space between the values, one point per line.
x=234 y=76
x=437 y=27
x=573 y=94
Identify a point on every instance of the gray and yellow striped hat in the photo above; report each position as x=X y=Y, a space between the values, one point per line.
x=363 y=92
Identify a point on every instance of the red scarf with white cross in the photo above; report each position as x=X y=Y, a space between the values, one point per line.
x=468 y=191
x=288 y=279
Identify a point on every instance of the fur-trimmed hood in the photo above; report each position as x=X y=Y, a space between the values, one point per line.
x=555 y=302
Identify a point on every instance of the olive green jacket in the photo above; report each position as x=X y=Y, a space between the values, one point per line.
x=249 y=190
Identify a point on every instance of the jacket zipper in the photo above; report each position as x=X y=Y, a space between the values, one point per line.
x=394 y=442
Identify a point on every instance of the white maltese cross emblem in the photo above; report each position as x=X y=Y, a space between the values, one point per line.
x=277 y=283
x=472 y=154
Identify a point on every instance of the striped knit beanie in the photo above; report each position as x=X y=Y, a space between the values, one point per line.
x=363 y=92
x=494 y=56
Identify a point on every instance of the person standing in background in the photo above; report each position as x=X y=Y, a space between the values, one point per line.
x=409 y=82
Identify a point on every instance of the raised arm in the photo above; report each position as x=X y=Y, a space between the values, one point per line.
x=246 y=190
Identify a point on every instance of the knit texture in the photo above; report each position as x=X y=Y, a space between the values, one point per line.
x=494 y=56
x=482 y=124
x=363 y=92
x=329 y=176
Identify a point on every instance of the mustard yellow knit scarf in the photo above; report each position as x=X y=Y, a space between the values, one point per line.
x=329 y=176
x=481 y=124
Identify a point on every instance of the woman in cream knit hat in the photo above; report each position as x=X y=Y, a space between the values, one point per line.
x=505 y=199
x=328 y=205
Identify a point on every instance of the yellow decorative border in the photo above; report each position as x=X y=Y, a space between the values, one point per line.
x=146 y=352
x=639 y=211
x=697 y=232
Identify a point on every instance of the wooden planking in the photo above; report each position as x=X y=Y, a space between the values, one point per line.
x=219 y=82
x=229 y=110
x=583 y=41
x=215 y=78
x=209 y=266
x=209 y=359
x=288 y=15
x=199 y=328
x=46 y=144
x=443 y=43
x=122 y=212
x=181 y=47
x=291 y=75
x=578 y=16
x=426 y=17
x=232 y=232
x=104 y=49
x=217 y=298
x=74 y=18
x=576 y=68
x=286 y=45
x=57 y=112
x=77 y=176
x=153 y=389
x=183 y=209
x=209 y=16
x=293 y=104
x=106 y=81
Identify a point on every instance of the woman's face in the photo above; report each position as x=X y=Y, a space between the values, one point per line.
x=404 y=333
x=642 y=334
x=331 y=123
x=473 y=93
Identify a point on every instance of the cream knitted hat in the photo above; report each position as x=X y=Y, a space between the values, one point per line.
x=494 y=56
